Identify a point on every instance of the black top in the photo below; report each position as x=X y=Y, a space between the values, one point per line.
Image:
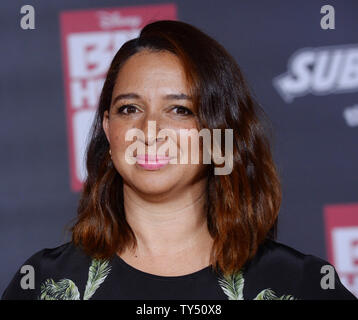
x=276 y=272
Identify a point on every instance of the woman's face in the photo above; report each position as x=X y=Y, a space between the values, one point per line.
x=157 y=86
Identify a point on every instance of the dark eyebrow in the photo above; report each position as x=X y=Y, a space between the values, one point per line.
x=179 y=96
x=132 y=95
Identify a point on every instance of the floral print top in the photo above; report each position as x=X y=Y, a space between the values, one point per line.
x=277 y=272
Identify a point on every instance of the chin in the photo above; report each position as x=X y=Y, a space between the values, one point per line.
x=154 y=186
x=154 y=181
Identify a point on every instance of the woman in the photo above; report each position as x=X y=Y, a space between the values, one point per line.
x=163 y=228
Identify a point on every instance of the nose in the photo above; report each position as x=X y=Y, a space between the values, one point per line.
x=150 y=126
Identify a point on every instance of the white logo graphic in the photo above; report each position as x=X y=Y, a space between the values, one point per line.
x=28 y=280
x=328 y=20
x=327 y=281
x=109 y=20
x=319 y=71
x=28 y=20
x=184 y=134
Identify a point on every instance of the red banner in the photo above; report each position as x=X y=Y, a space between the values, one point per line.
x=342 y=242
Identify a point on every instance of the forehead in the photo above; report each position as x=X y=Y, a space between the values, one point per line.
x=151 y=69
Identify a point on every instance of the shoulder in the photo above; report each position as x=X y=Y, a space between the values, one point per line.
x=291 y=272
x=48 y=262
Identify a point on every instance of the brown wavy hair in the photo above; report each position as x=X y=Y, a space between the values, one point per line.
x=241 y=207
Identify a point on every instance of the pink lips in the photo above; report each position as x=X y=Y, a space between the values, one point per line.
x=152 y=162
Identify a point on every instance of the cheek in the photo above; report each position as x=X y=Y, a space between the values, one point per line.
x=117 y=134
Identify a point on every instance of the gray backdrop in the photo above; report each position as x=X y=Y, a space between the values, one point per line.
x=315 y=148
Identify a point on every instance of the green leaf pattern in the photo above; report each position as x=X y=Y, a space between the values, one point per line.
x=233 y=287
x=98 y=272
x=65 y=289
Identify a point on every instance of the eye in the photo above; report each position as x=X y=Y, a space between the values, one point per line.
x=182 y=111
x=127 y=109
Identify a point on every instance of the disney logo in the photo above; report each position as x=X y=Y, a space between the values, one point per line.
x=114 y=19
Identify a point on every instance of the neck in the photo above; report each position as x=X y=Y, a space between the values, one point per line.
x=170 y=225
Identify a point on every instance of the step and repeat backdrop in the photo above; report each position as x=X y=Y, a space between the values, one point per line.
x=301 y=62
